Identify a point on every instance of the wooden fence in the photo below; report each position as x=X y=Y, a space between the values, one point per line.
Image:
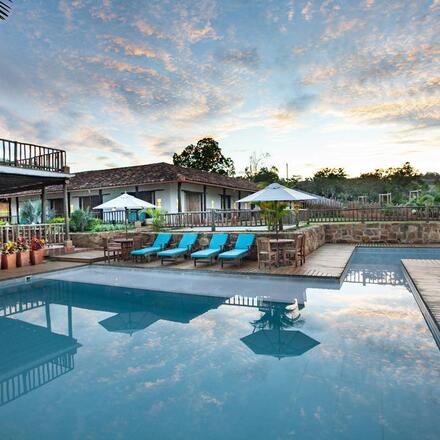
x=368 y=214
x=53 y=233
x=227 y=218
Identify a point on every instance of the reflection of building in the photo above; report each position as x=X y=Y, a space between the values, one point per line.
x=375 y=274
x=31 y=356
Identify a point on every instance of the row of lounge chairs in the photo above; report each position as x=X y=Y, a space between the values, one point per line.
x=215 y=250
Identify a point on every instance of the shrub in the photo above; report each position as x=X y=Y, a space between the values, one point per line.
x=56 y=220
x=37 y=243
x=30 y=212
x=110 y=227
x=81 y=221
x=158 y=218
x=8 y=248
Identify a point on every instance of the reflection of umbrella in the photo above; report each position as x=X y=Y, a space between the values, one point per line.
x=125 y=201
x=279 y=343
x=129 y=322
x=276 y=193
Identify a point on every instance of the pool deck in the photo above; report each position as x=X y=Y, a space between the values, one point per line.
x=425 y=275
x=328 y=261
x=46 y=266
x=85 y=257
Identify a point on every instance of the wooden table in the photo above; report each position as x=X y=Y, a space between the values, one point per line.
x=126 y=246
x=282 y=243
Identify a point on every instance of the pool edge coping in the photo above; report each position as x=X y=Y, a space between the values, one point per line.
x=423 y=307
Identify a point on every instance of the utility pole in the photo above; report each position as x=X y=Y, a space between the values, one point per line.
x=287 y=170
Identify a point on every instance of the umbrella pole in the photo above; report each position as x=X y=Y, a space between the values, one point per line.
x=126 y=223
x=276 y=233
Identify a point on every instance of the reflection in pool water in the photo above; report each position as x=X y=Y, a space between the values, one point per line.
x=80 y=360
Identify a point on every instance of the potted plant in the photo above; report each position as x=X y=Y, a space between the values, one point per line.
x=22 y=252
x=37 y=250
x=8 y=255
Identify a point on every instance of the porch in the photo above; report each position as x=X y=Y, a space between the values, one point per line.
x=30 y=167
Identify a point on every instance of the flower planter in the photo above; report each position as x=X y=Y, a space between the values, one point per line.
x=23 y=259
x=8 y=261
x=37 y=256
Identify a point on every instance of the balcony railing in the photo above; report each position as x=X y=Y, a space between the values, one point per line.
x=23 y=155
x=52 y=233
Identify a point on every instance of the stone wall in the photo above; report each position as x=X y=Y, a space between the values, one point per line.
x=390 y=233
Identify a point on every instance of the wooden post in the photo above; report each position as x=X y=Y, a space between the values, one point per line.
x=43 y=205
x=17 y=207
x=10 y=209
x=212 y=220
x=66 y=210
x=179 y=197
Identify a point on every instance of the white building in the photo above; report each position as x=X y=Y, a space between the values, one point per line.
x=173 y=188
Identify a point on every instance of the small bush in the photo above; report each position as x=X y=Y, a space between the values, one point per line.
x=107 y=228
x=158 y=218
x=81 y=221
x=56 y=220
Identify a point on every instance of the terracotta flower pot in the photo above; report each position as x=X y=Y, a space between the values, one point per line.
x=37 y=256
x=9 y=261
x=23 y=258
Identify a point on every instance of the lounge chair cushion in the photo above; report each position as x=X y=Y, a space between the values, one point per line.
x=234 y=253
x=206 y=253
x=146 y=251
x=218 y=241
x=162 y=240
x=172 y=252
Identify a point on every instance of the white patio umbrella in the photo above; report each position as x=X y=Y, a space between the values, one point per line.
x=127 y=202
x=276 y=193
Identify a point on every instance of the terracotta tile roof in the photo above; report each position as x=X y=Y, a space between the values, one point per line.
x=151 y=173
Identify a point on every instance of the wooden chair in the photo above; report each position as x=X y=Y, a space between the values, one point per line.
x=112 y=250
x=137 y=243
x=266 y=255
x=296 y=254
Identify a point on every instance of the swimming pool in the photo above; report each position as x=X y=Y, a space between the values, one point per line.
x=350 y=360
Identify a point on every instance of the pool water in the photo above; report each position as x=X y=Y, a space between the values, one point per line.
x=81 y=360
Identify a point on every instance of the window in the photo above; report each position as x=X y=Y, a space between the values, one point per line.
x=88 y=202
x=56 y=206
x=225 y=202
x=146 y=196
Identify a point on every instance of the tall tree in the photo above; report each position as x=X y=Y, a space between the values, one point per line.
x=206 y=155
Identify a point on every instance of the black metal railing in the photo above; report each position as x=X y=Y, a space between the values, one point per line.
x=23 y=155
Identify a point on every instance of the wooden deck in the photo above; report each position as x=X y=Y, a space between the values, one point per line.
x=425 y=275
x=329 y=261
x=85 y=257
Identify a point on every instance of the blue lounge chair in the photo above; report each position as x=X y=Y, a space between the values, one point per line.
x=216 y=245
x=184 y=247
x=241 y=249
x=160 y=243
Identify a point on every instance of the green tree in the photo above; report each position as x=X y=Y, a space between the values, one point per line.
x=264 y=176
x=330 y=181
x=205 y=156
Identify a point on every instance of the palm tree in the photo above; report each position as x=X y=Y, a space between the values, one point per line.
x=5 y=9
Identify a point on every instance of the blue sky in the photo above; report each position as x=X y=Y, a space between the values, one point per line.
x=313 y=83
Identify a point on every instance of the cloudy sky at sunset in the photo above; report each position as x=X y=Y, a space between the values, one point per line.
x=314 y=83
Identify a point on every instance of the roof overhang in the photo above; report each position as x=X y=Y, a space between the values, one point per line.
x=14 y=179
